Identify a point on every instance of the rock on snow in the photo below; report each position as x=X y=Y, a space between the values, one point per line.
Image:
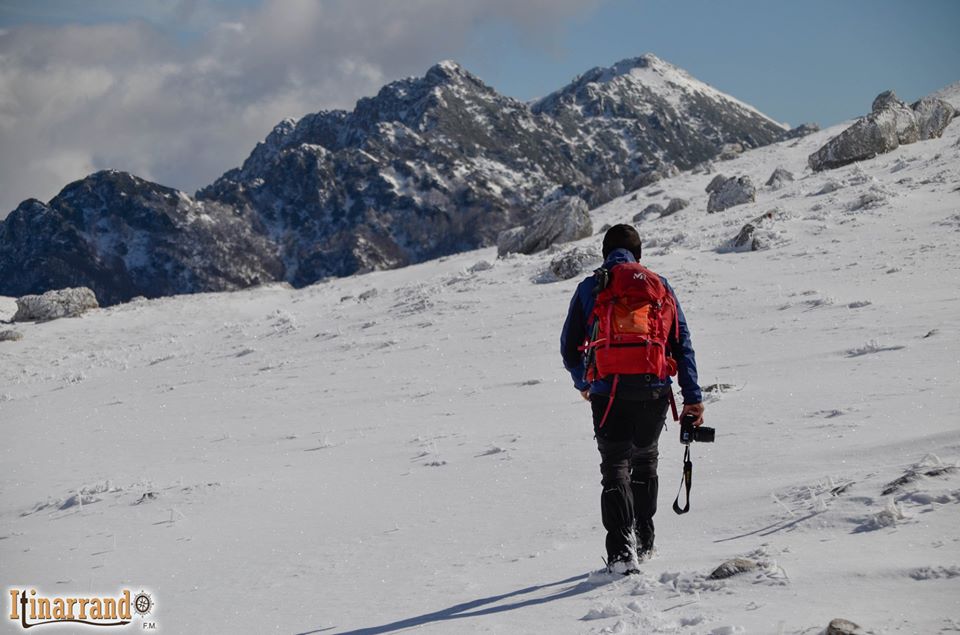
x=558 y=221
x=731 y=192
x=70 y=302
x=890 y=124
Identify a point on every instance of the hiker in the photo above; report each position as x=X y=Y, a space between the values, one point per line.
x=630 y=403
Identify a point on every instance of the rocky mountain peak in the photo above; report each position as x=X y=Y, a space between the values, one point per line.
x=641 y=86
x=410 y=101
x=626 y=67
x=428 y=166
x=447 y=71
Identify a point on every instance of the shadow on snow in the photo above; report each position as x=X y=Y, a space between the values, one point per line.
x=480 y=607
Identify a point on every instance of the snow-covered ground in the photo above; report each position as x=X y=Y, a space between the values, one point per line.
x=404 y=449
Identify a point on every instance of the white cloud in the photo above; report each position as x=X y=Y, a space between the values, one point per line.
x=134 y=96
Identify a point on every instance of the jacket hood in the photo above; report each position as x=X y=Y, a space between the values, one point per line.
x=617 y=257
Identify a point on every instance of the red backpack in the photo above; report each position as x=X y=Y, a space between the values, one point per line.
x=633 y=317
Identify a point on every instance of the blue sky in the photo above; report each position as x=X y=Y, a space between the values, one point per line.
x=816 y=60
x=179 y=91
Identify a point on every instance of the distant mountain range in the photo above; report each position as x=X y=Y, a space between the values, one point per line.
x=429 y=166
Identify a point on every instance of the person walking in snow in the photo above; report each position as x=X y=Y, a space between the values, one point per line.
x=623 y=337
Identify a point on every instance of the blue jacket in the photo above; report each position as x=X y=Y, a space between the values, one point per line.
x=575 y=332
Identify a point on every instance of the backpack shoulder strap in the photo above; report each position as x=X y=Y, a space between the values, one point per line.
x=602 y=276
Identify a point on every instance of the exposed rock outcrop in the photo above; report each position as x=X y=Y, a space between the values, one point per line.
x=55 y=304
x=731 y=192
x=715 y=183
x=749 y=239
x=675 y=205
x=557 y=221
x=653 y=210
x=933 y=116
x=779 y=178
x=122 y=237
x=574 y=261
x=840 y=626
x=890 y=125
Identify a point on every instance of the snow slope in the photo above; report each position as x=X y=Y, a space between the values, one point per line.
x=403 y=449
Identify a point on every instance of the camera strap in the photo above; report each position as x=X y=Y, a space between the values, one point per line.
x=687 y=482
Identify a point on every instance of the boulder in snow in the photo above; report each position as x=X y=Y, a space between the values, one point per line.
x=715 y=183
x=874 y=134
x=733 y=191
x=933 y=116
x=653 y=210
x=574 y=261
x=750 y=238
x=779 y=178
x=481 y=265
x=51 y=305
x=906 y=122
x=733 y=567
x=745 y=239
x=10 y=336
x=558 y=221
x=891 y=124
x=840 y=626
x=674 y=206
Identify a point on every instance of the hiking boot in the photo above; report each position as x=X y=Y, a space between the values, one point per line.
x=626 y=564
x=646 y=553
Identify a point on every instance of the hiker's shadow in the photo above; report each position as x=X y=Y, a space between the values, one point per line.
x=476 y=608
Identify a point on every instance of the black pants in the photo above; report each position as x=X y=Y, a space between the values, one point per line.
x=628 y=453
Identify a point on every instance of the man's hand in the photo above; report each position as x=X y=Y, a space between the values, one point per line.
x=585 y=393
x=695 y=409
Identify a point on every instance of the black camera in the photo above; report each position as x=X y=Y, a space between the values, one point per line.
x=690 y=433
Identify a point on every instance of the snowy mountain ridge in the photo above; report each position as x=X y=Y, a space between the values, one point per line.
x=950 y=93
x=659 y=77
x=403 y=449
x=429 y=166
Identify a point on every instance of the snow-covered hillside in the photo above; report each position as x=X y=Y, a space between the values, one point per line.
x=403 y=449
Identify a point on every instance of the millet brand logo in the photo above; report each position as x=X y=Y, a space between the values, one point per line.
x=30 y=609
x=639 y=276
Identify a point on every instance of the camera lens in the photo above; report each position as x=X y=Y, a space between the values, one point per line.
x=704 y=434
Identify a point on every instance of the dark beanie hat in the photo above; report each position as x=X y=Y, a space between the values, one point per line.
x=621 y=236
